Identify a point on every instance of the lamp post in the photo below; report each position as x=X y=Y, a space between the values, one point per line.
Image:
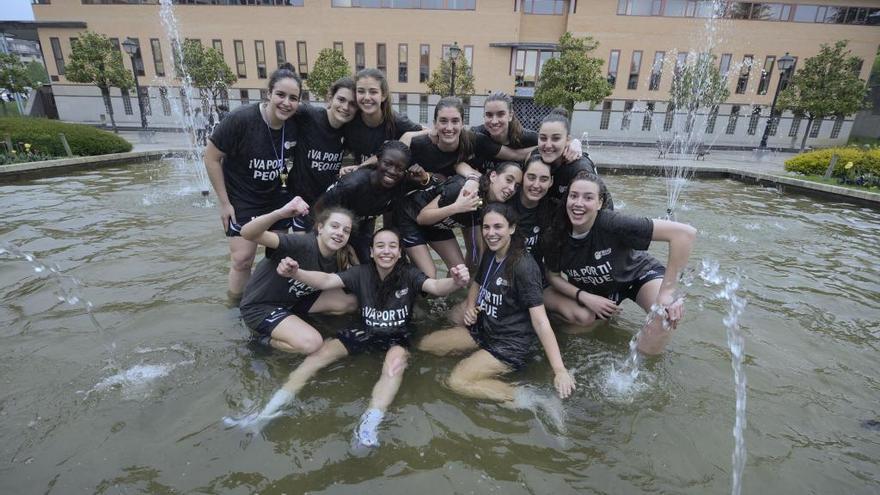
x=454 y=52
x=131 y=48
x=785 y=63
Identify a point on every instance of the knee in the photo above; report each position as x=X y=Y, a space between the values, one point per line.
x=584 y=318
x=396 y=361
x=306 y=343
x=242 y=260
x=457 y=381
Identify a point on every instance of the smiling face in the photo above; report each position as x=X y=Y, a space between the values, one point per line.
x=369 y=95
x=385 y=250
x=503 y=185
x=342 y=105
x=391 y=167
x=496 y=118
x=496 y=232
x=537 y=180
x=284 y=99
x=335 y=231
x=448 y=125
x=552 y=140
x=582 y=205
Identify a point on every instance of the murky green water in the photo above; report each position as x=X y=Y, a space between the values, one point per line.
x=152 y=260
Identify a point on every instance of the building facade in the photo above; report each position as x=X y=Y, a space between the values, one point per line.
x=505 y=41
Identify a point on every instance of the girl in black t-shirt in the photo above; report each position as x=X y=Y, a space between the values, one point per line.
x=505 y=316
x=554 y=137
x=273 y=306
x=429 y=216
x=245 y=159
x=532 y=204
x=602 y=255
x=386 y=291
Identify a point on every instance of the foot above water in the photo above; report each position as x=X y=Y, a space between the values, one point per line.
x=367 y=434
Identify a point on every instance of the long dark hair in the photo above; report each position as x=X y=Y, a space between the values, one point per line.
x=392 y=282
x=466 y=138
x=345 y=256
x=387 y=111
x=483 y=190
x=514 y=127
x=560 y=226
x=285 y=71
x=517 y=246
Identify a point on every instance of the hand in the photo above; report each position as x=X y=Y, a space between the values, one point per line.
x=470 y=315
x=294 y=208
x=227 y=214
x=467 y=201
x=674 y=309
x=287 y=267
x=602 y=306
x=573 y=151
x=418 y=174
x=471 y=186
x=564 y=383
x=348 y=169
x=460 y=275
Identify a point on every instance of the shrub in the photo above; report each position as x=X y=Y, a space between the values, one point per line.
x=42 y=134
x=815 y=162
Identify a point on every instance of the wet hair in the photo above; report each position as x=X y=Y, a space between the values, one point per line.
x=559 y=114
x=341 y=83
x=560 y=227
x=517 y=246
x=345 y=256
x=285 y=71
x=387 y=112
x=514 y=127
x=502 y=167
x=392 y=282
x=466 y=138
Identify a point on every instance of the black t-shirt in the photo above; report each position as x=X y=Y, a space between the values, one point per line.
x=486 y=164
x=267 y=287
x=532 y=222
x=254 y=159
x=393 y=316
x=355 y=192
x=318 y=154
x=448 y=191
x=364 y=141
x=609 y=258
x=504 y=302
x=432 y=159
x=563 y=174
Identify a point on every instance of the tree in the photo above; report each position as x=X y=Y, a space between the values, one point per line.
x=826 y=85
x=698 y=85
x=14 y=76
x=441 y=79
x=205 y=69
x=37 y=73
x=329 y=66
x=572 y=77
x=95 y=60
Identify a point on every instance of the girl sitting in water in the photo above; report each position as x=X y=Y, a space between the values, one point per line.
x=386 y=290
x=602 y=255
x=273 y=306
x=504 y=317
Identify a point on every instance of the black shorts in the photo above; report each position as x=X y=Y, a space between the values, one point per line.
x=263 y=318
x=416 y=235
x=631 y=290
x=234 y=229
x=358 y=341
x=515 y=358
x=302 y=224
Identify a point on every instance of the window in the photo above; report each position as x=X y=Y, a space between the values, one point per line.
x=158 y=63
x=638 y=7
x=466 y=104
x=753 y=121
x=656 y=71
x=605 y=119
x=163 y=97
x=613 y=62
x=423 y=108
x=280 y=52
x=126 y=103
x=805 y=13
x=795 y=125
x=527 y=65
x=627 y=114
x=243 y=97
x=240 y=66
x=710 y=122
x=138 y=59
x=405 y=4
x=144 y=100
x=680 y=62
x=381 y=61
x=835 y=130
x=731 y=122
x=303 y=56
x=401 y=104
x=766 y=75
x=264 y=95
x=724 y=68
x=402 y=55
x=649 y=116
x=669 y=118
x=424 y=64
x=115 y=43
x=634 y=68
x=814 y=131
x=546 y=7
x=469 y=56
x=260 y=52
x=359 y=58
x=774 y=122
x=59 y=56
x=743 y=81
x=217 y=45
x=337 y=45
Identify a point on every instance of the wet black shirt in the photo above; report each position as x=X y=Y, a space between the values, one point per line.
x=254 y=160
x=355 y=192
x=432 y=159
x=485 y=164
x=563 y=174
x=393 y=316
x=532 y=222
x=448 y=191
x=364 y=141
x=318 y=154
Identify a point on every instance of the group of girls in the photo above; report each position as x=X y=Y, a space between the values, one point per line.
x=537 y=222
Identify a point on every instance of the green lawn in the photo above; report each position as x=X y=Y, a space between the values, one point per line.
x=834 y=182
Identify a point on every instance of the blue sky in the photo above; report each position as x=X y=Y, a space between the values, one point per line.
x=16 y=10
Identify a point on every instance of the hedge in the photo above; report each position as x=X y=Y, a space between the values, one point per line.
x=42 y=134
x=815 y=162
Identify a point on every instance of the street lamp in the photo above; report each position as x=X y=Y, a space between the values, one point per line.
x=785 y=63
x=131 y=48
x=454 y=52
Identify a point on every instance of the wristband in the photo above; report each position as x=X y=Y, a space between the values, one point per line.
x=472 y=177
x=577 y=297
x=428 y=180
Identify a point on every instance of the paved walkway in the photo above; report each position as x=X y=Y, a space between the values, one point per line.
x=771 y=163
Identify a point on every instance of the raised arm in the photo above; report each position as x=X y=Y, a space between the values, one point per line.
x=289 y=268
x=257 y=230
x=214 y=166
x=433 y=213
x=562 y=380
x=445 y=286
